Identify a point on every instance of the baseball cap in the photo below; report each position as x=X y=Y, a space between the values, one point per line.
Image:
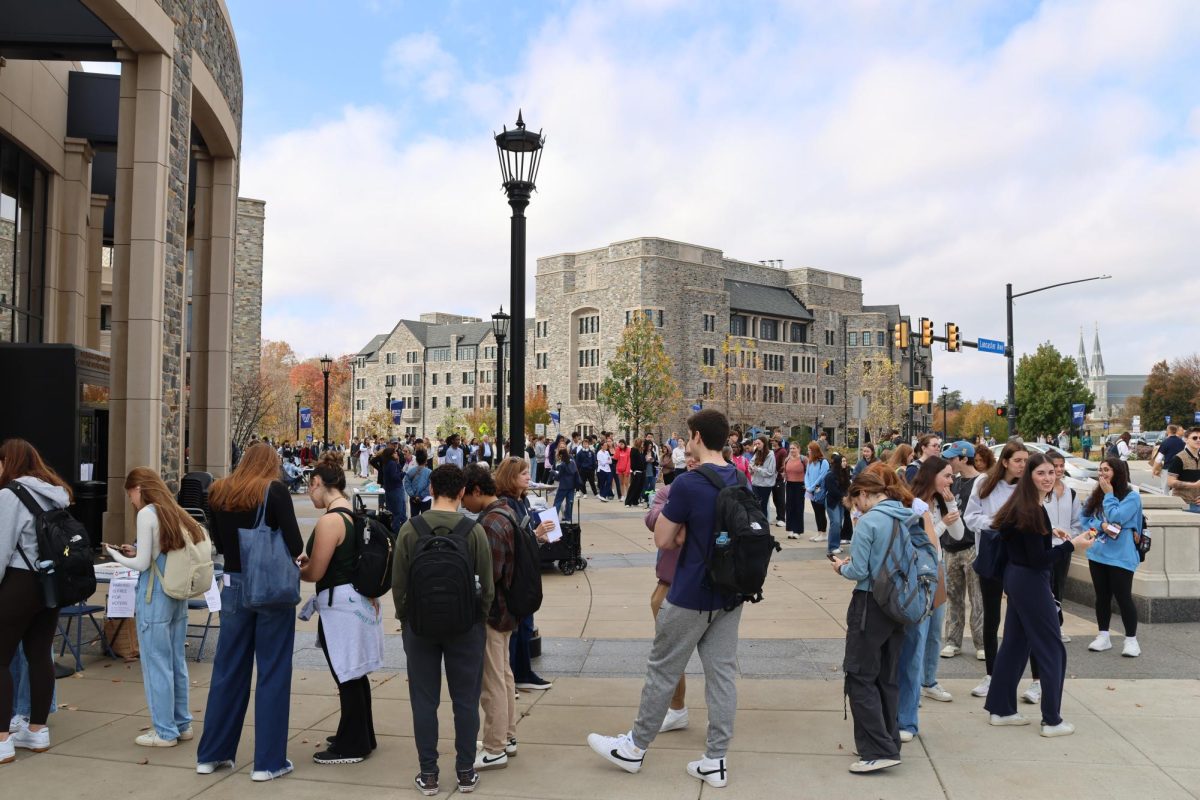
x=960 y=449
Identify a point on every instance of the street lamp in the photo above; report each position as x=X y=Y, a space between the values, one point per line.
x=388 y=410
x=945 y=426
x=520 y=153
x=326 y=361
x=558 y=425
x=500 y=322
x=297 y=416
x=1012 y=380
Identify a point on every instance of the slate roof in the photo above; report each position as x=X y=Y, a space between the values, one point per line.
x=770 y=301
x=371 y=351
x=431 y=335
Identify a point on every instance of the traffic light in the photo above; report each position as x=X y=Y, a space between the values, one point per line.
x=1001 y=411
x=926 y=332
x=953 y=345
x=900 y=335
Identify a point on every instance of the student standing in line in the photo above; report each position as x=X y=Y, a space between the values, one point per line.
x=814 y=486
x=416 y=483
x=1063 y=508
x=161 y=620
x=637 y=475
x=793 y=470
x=902 y=456
x=928 y=446
x=391 y=477
x=866 y=457
x=604 y=468
x=23 y=616
x=837 y=481
x=567 y=477
x=873 y=640
x=250 y=637
x=740 y=461
x=762 y=474
x=779 y=492
x=962 y=581
x=1183 y=472
x=1114 y=511
x=623 y=457
x=349 y=625
x=1031 y=622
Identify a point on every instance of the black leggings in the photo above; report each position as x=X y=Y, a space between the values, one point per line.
x=637 y=481
x=24 y=620
x=1109 y=581
x=993 y=592
x=818 y=507
x=355 y=737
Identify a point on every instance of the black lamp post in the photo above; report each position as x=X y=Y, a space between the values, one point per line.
x=388 y=409
x=559 y=426
x=520 y=153
x=297 y=416
x=325 y=362
x=500 y=322
x=945 y=426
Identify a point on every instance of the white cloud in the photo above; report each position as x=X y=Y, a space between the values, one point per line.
x=936 y=170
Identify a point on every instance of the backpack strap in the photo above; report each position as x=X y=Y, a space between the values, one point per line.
x=422 y=526
x=26 y=499
x=464 y=527
x=714 y=477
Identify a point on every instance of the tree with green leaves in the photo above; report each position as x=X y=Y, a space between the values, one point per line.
x=1171 y=391
x=888 y=401
x=975 y=416
x=1048 y=384
x=639 y=389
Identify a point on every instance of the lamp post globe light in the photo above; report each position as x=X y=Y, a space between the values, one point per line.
x=520 y=153
x=297 y=416
x=500 y=322
x=326 y=361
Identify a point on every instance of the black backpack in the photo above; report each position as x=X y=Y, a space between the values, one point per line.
x=1112 y=451
x=741 y=553
x=64 y=541
x=443 y=598
x=373 y=565
x=523 y=592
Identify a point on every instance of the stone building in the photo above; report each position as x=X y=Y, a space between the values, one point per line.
x=128 y=180
x=247 y=289
x=1111 y=391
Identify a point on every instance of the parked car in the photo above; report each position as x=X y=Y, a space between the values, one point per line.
x=1076 y=467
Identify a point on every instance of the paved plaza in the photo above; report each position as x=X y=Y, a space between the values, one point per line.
x=1137 y=719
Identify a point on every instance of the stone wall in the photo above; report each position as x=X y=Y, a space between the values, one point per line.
x=8 y=244
x=247 y=289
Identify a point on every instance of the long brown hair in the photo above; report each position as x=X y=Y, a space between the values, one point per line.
x=760 y=457
x=247 y=486
x=173 y=521
x=1120 y=486
x=1024 y=510
x=901 y=456
x=814 y=452
x=22 y=460
x=507 y=475
x=996 y=473
x=884 y=481
x=924 y=483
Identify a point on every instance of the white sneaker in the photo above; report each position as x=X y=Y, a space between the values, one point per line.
x=820 y=537
x=674 y=720
x=778 y=523
x=1101 y=643
x=1033 y=695
x=37 y=741
x=209 y=767
x=950 y=651
x=152 y=739
x=874 y=765
x=270 y=775
x=510 y=748
x=837 y=551
x=619 y=750
x=1063 y=728
x=936 y=692
x=1131 y=649
x=186 y=734
x=7 y=752
x=1011 y=719
x=793 y=536
x=906 y=736
x=710 y=770
x=486 y=760
x=17 y=722
x=980 y=655
x=982 y=689
x=1065 y=639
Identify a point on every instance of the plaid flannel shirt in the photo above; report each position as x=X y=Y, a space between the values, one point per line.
x=499 y=529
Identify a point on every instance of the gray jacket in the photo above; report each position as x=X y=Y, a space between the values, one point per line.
x=16 y=523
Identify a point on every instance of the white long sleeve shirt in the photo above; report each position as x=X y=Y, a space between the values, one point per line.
x=148 y=545
x=1064 y=511
x=980 y=511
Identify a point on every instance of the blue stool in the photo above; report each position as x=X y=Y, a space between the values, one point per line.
x=200 y=604
x=78 y=612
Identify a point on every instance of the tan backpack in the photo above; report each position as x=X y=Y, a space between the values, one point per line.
x=189 y=571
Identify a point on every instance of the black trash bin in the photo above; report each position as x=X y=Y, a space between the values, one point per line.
x=91 y=501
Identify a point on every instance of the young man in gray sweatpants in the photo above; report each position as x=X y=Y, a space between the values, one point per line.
x=692 y=618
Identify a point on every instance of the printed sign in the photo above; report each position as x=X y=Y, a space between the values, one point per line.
x=1077 y=411
x=306 y=418
x=397 y=410
x=991 y=346
x=122 y=597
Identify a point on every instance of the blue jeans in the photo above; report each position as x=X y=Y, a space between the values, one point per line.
x=19 y=668
x=518 y=652
x=398 y=506
x=606 y=479
x=835 y=527
x=568 y=495
x=915 y=669
x=248 y=636
x=162 y=632
x=1193 y=507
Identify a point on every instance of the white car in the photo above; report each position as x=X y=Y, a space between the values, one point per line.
x=1076 y=467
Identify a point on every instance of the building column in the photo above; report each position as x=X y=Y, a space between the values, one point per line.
x=70 y=296
x=95 y=268
x=201 y=459
x=220 y=314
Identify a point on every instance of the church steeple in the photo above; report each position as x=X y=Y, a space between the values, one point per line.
x=1081 y=361
x=1097 y=359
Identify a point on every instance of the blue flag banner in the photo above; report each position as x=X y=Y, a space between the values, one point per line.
x=1077 y=412
x=554 y=417
x=397 y=410
x=306 y=418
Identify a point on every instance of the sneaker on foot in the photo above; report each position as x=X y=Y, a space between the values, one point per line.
x=710 y=770
x=674 y=720
x=818 y=537
x=950 y=651
x=980 y=655
x=837 y=551
x=936 y=692
x=330 y=757
x=1131 y=649
x=874 y=765
x=37 y=741
x=272 y=774
x=427 y=783
x=982 y=689
x=1065 y=639
x=486 y=760
x=793 y=536
x=1101 y=643
x=186 y=734
x=1011 y=719
x=209 y=767
x=1063 y=728
x=906 y=736
x=468 y=779
x=7 y=752
x=537 y=684
x=152 y=739
x=17 y=722
x=1033 y=695
x=619 y=750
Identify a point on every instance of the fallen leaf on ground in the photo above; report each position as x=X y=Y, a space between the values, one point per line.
x=144 y=729
x=144 y=761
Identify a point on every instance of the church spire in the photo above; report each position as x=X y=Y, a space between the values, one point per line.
x=1081 y=361
x=1097 y=359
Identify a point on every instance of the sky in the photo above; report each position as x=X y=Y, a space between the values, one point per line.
x=939 y=150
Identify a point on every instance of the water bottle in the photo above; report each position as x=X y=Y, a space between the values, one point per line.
x=723 y=539
x=478 y=587
x=49 y=586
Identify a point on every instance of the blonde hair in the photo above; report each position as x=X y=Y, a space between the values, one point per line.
x=173 y=521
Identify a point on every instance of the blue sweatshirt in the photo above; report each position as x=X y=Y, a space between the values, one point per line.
x=1121 y=551
x=833 y=490
x=871 y=537
x=814 y=478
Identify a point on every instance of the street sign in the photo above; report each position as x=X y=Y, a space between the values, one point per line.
x=306 y=418
x=539 y=428
x=1077 y=411
x=696 y=406
x=987 y=430
x=991 y=346
x=1137 y=424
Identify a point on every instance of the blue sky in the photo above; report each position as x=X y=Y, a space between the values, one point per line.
x=937 y=149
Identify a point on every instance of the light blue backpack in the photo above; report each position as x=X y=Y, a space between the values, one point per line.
x=905 y=585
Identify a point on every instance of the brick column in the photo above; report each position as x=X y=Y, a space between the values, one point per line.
x=95 y=260
x=70 y=297
x=201 y=460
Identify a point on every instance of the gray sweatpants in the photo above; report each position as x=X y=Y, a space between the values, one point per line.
x=678 y=632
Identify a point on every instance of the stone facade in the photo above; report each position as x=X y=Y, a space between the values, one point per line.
x=247 y=289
